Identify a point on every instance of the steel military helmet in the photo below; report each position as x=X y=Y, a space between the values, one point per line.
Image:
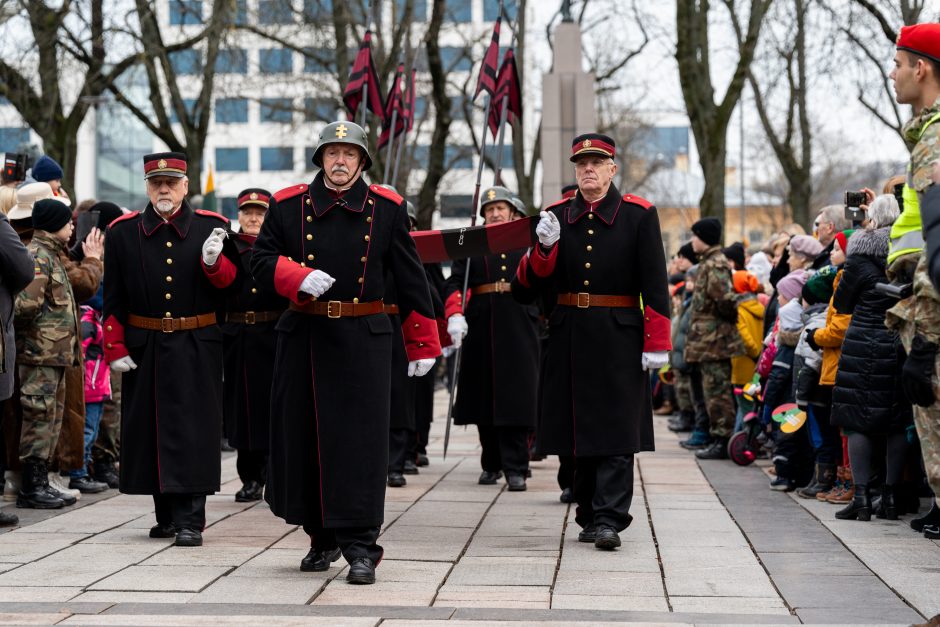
x=345 y=132
x=497 y=193
x=519 y=207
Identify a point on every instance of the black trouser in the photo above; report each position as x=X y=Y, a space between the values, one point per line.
x=424 y=412
x=565 y=471
x=354 y=542
x=504 y=448
x=399 y=442
x=603 y=489
x=252 y=465
x=829 y=450
x=185 y=511
x=702 y=422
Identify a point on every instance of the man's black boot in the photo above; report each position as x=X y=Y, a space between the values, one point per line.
x=887 y=508
x=606 y=538
x=516 y=482
x=105 y=472
x=361 y=571
x=87 y=485
x=163 y=531
x=411 y=468
x=716 y=450
x=251 y=491
x=188 y=537
x=33 y=494
x=932 y=517
x=489 y=478
x=588 y=534
x=396 y=480
x=860 y=507
x=317 y=561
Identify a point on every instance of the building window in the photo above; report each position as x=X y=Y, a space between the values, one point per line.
x=12 y=138
x=232 y=61
x=278 y=110
x=275 y=61
x=459 y=11
x=229 y=205
x=318 y=60
x=231 y=110
x=459 y=157
x=189 y=104
x=231 y=159
x=319 y=110
x=456 y=205
x=420 y=11
x=507 y=161
x=184 y=12
x=455 y=59
x=491 y=10
x=318 y=11
x=241 y=12
x=279 y=158
x=186 y=61
x=275 y=12
x=421 y=107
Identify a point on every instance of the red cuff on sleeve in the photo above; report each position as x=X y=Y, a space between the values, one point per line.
x=421 y=340
x=222 y=273
x=114 y=339
x=442 y=335
x=541 y=265
x=522 y=272
x=656 y=331
x=453 y=305
x=287 y=279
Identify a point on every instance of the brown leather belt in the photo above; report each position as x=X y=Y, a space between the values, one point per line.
x=169 y=325
x=392 y=310
x=252 y=317
x=583 y=300
x=339 y=309
x=500 y=287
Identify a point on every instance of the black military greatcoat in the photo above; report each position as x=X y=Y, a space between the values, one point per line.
x=402 y=400
x=330 y=399
x=595 y=394
x=500 y=355
x=249 y=356
x=171 y=406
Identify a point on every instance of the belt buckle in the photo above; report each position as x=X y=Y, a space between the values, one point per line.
x=329 y=309
x=584 y=300
x=166 y=325
x=250 y=317
x=502 y=287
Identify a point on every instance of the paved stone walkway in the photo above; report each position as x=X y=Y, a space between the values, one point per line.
x=710 y=544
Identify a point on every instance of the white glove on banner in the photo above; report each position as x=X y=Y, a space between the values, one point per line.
x=212 y=247
x=457 y=329
x=420 y=367
x=124 y=364
x=655 y=361
x=316 y=283
x=548 y=229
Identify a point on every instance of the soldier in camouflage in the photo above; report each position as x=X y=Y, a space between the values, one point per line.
x=916 y=79
x=713 y=337
x=47 y=338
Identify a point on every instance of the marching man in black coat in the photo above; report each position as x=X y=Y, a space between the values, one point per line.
x=163 y=288
x=339 y=239
x=499 y=371
x=602 y=252
x=249 y=339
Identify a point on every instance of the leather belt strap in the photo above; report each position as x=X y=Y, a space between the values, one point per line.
x=169 y=325
x=392 y=310
x=339 y=309
x=583 y=300
x=252 y=317
x=500 y=287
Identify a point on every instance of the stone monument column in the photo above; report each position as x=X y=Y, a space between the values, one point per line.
x=567 y=108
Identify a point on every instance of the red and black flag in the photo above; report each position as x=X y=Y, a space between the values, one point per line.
x=363 y=73
x=507 y=84
x=394 y=102
x=410 y=101
x=476 y=241
x=487 y=80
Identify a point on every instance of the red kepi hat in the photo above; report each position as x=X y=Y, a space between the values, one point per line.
x=922 y=39
x=254 y=197
x=592 y=144
x=165 y=164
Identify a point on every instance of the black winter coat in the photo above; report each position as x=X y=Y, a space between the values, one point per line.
x=868 y=396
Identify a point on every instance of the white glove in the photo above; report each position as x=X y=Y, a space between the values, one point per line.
x=124 y=364
x=212 y=247
x=457 y=329
x=316 y=283
x=447 y=351
x=655 y=361
x=420 y=367
x=548 y=229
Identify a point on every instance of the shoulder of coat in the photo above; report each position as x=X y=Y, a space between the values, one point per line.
x=211 y=214
x=387 y=194
x=638 y=200
x=290 y=192
x=125 y=219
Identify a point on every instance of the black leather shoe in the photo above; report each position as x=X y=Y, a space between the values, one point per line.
x=188 y=537
x=105 y=472
x=396 y=480
x=567 y=496
x=606 y=538
x=516 y=483
x=87 y=485
x=361 y=571
x=717 y=450
x=411 y=468
x=932 y=517
x=251 y=491
x=422 y=459
x=163 y=531
x=318 y=561
x=489 y=478
x=588 y=534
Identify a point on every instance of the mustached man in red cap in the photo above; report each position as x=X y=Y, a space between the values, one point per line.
x=916 y=77
x=602 y=252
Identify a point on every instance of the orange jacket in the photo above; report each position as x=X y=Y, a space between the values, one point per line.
x=830 y=337
x=750 y=328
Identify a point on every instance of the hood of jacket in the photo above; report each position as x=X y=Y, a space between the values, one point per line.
x=870 y=243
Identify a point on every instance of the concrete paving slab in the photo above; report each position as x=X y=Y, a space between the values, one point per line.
x=38 y=594
x=262 y=590
x=729 y=605
x=338 y=592
x=87 y=563
x=175 y=578
x=223 y=619
x=609 y=602
x=204 y=556
x=114 y=596
x=499 y=571
x=600 y=583
x=32 y=619
x=20 y=547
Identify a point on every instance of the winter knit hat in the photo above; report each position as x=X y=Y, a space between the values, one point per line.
x=843 y=238
x=818 y=288
x=708 y=230
x=805 y=245
x=745 y=282
x=688 y=252
x=46 y=169
x=735 y=254
x=50 y=215
x=108 y=212
x=791 y=286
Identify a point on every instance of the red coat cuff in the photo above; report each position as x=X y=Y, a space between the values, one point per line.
x=222 y=273
x=656 y=331
x=114 y=339
x=287 y=279
x=442 y=333
x=541 y=264
x=453 y=304
x=421 y=341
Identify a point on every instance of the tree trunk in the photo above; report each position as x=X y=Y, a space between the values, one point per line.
x=436 y=167
x=712 y=202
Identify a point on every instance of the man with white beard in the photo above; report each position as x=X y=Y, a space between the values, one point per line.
x=166 y=277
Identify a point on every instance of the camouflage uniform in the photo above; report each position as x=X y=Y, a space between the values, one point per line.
x=47 y=340
x=920 y=314
x=713 y=338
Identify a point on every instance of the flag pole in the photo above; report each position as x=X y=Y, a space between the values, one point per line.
x=391 y=143
x=404 y=134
